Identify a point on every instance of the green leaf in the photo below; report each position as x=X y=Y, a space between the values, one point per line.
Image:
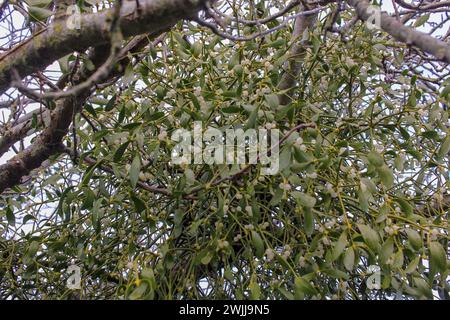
x=64 y=63
x=197 y=48
x=438 y=257
x=375 y=158
x=89 y=172
x=156 y=116
x=444 y=149
x=30 y=254
x=406 y=207
x=96 y=211
x=337 y=274
x=349 y=259
x=258 y=244
x=276 y=197
x=206 y=259
x=251 y=122
x=412 y=266
x=232 y=109
x=272 y=101
x=309 y=221
x=230 y=94
x=387 y=250
x=399 y=163
x=52 y=180
x=445 y=92
x=255 y=290
x=120 y=151
x=38 y=3
x=131 y=126
x=33 y=249
x=27 y=218
x=363 y=202
x=304 y=286
x=414 y=238
x=139 y=205
x=38 y=14
x=89 y=108
x=234 y=60
x=386 y=176
x=300 y=155
x=178 y=217
x=370 y=236
x=111 y=103
x=371 y=187
x=139 y=291
x=181 y=41
x=89 y=198
x=399 y=259
x=228 y=275
x=285 y=159
x=303 y=199
x=149 y=276
x=423 y=287
x=421 y=20
x=277 y=43
x=10 y=216
x=339 y=246
x=135 y=169
x=287 y=294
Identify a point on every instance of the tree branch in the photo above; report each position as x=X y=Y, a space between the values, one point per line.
x=402 y=33
x=49 y=141
x=302 y=24
x=57 y=40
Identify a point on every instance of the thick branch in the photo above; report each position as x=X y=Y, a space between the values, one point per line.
x=287 y=83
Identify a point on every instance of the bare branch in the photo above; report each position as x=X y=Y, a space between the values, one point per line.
x=399 y=31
